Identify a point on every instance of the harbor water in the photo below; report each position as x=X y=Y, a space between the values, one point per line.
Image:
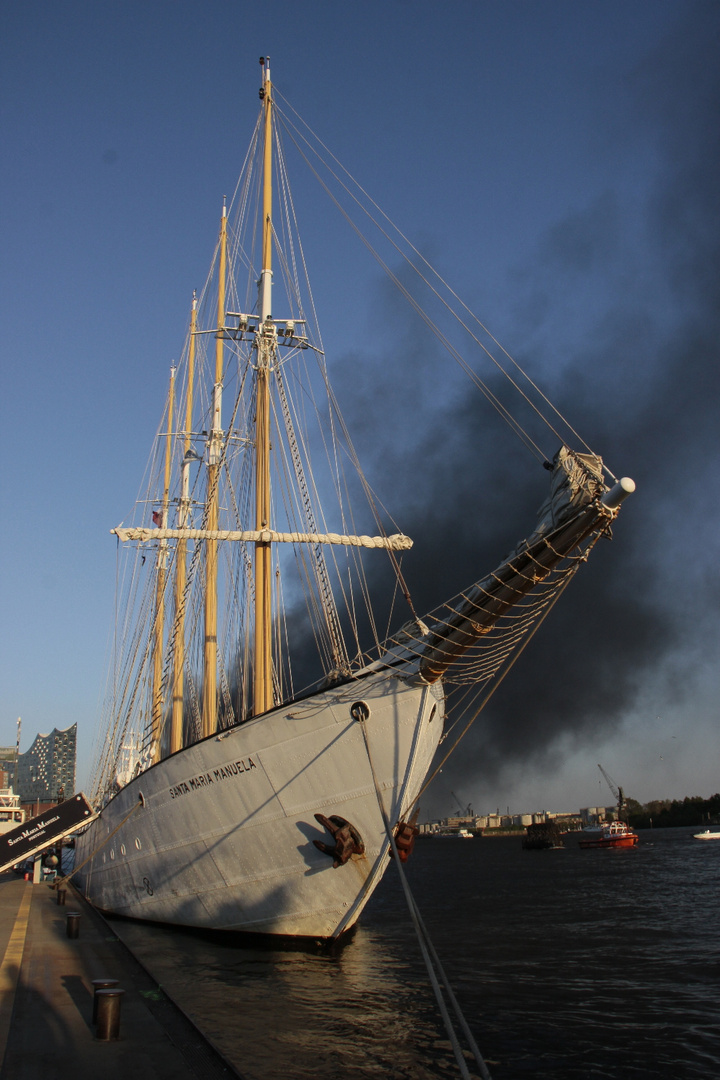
x=567 y=964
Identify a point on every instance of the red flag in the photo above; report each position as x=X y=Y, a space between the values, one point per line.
x=157 y=518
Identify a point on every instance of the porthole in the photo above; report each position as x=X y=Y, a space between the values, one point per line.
x=112 y=853
x=122 y=850
x=138 y=845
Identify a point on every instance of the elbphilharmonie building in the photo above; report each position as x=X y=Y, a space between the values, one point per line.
x=46 y=772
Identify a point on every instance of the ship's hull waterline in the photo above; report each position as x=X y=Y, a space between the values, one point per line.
x=222 y=837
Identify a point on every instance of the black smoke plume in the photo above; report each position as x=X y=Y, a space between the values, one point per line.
x=639 y=382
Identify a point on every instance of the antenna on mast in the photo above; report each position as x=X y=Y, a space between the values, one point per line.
x=265 y=65
x=17 y=753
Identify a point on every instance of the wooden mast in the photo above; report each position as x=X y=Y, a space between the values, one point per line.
x=262 y=667
x=159 y=627
x=209 y=705
x=178 y=676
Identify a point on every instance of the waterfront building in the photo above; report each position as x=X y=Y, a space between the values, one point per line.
x=46 y=772
x=7 y=766
x=593 y=815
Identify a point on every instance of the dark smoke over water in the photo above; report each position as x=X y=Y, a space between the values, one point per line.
x=639 y=381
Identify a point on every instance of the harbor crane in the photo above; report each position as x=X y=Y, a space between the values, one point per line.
x=468 y=810
x=617 y=791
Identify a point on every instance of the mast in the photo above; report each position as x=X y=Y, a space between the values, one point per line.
x=209 y=705
x=266 y=347
x=189 y=455
x=159 y=627
x=16 y=782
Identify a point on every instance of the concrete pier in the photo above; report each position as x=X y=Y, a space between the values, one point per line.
x=46 y=999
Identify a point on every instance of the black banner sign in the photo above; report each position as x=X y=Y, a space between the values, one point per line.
x=41 y=831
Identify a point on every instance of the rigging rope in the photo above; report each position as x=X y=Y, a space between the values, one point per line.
x=500 y=676
x=102 y=843
x=295 y=134
x=436 y=973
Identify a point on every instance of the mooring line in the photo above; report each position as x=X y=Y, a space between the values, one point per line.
x=427 y=948
x=63 y=881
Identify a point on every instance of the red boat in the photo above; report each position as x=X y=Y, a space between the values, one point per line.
x=616 y=834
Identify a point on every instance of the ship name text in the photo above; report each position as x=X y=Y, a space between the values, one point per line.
x=203 y=780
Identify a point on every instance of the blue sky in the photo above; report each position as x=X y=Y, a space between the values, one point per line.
x=555 y=160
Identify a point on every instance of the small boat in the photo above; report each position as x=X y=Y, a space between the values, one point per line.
x=268 y=736
x=456 y=834
x=707 y=835
x=615 y=835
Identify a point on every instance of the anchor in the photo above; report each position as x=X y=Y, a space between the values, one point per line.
x=347 y=839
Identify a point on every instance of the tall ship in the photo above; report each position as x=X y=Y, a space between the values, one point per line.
x=276 y=701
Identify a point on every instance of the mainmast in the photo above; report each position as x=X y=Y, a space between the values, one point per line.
x=209 y=706
x=189 y=455
x=266 y=350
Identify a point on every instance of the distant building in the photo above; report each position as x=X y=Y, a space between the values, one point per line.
x=7 y=766
x=565 y=820
x=46 y=772
x=592 y=815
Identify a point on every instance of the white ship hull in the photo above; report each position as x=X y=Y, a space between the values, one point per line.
x=223 y=836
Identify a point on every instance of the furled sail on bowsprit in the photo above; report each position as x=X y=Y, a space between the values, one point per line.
x=469 y=640
x=578 y=511
x=257 y=702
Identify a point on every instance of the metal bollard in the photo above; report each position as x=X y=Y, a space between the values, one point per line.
x=73 y=924
x=108 y=1014
x=100 y=984
x=61 y=894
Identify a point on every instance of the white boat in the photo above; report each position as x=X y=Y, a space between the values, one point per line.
x=228 y=798
x=707 y=835
x=455 y=834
